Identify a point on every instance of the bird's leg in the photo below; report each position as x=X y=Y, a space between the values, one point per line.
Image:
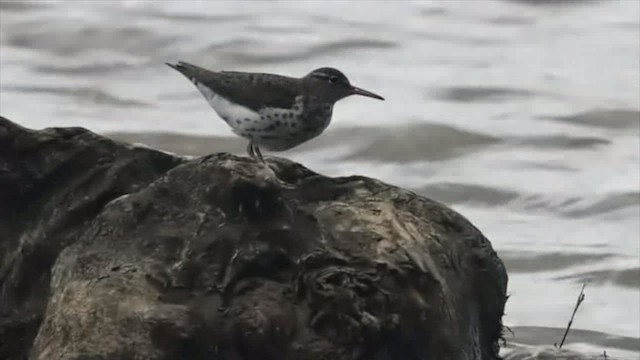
x=250 y=151
x=256 y=149
x=254 y=152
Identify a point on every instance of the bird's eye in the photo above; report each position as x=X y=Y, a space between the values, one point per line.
x=333 y=79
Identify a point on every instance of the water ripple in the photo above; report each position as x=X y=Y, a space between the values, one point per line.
x=467 y=40
x=193 y=17
x=603 y=118
x=480 y=93
x=335 y=47
x=61 y=39
x=81 y=94
x=560 y=141
x=418 y=142
x=579 y=206
x=96 y=68
x=527 y=262
x=510 y=20
x=603 y=204
x=458 y=193
x=17 y=5
x=626 y=278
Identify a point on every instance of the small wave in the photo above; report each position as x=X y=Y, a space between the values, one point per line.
x=416 y=142
x=84 y=94
x=59 y=38
x=526 y=262
x=218 y=19
x=603 y=204
x=554 y=2
x=626 y=278
x=83 y=69
x=433 y=11
x=235 y=44
x=333 y=48
x=580 y=206
x=543 y=335
x=480 y=93
x=20 y=5
x=350 y=22
x=560 y=141
x=511 y=20
x=603 y=118
x=467 y=40
x=457 y=193
x=552 y=165
x=279 y=29
x=184 y=144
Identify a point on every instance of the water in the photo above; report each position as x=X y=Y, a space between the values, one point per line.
x=524 y=117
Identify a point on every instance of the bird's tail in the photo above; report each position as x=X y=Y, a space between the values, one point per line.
x=192 y=72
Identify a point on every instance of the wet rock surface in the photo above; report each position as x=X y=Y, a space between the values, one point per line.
x=110 y=251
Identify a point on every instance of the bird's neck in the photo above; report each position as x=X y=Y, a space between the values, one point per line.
x=318 y=113
x=314 y=103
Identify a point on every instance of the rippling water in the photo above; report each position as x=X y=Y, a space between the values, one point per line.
x=522 y=115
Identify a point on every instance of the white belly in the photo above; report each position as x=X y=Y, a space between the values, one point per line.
x=271 y=128
x=227 y=110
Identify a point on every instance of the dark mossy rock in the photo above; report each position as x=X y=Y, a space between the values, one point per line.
x=111 y=251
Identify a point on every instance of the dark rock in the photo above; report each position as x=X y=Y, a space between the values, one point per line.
x=115 y=252
x=52 y=184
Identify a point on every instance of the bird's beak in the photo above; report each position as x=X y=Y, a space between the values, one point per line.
x=363 y=92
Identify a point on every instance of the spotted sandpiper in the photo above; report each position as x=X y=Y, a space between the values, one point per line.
x=274 y=112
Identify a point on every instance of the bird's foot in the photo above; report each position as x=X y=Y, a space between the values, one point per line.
x=254 y=152
x=274 y=175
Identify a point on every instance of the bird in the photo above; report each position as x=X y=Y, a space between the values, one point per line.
x=273 y=112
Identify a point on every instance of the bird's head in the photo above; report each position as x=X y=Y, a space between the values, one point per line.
x=332 y=85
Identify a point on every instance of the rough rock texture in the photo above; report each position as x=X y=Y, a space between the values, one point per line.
x=115 y=252
x=52 y=185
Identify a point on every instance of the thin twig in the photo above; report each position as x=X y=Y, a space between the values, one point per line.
x=580 y=300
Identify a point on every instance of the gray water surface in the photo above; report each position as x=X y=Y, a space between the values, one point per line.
x=522 y=115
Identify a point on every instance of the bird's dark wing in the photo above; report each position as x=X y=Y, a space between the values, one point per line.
x=252 y=90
